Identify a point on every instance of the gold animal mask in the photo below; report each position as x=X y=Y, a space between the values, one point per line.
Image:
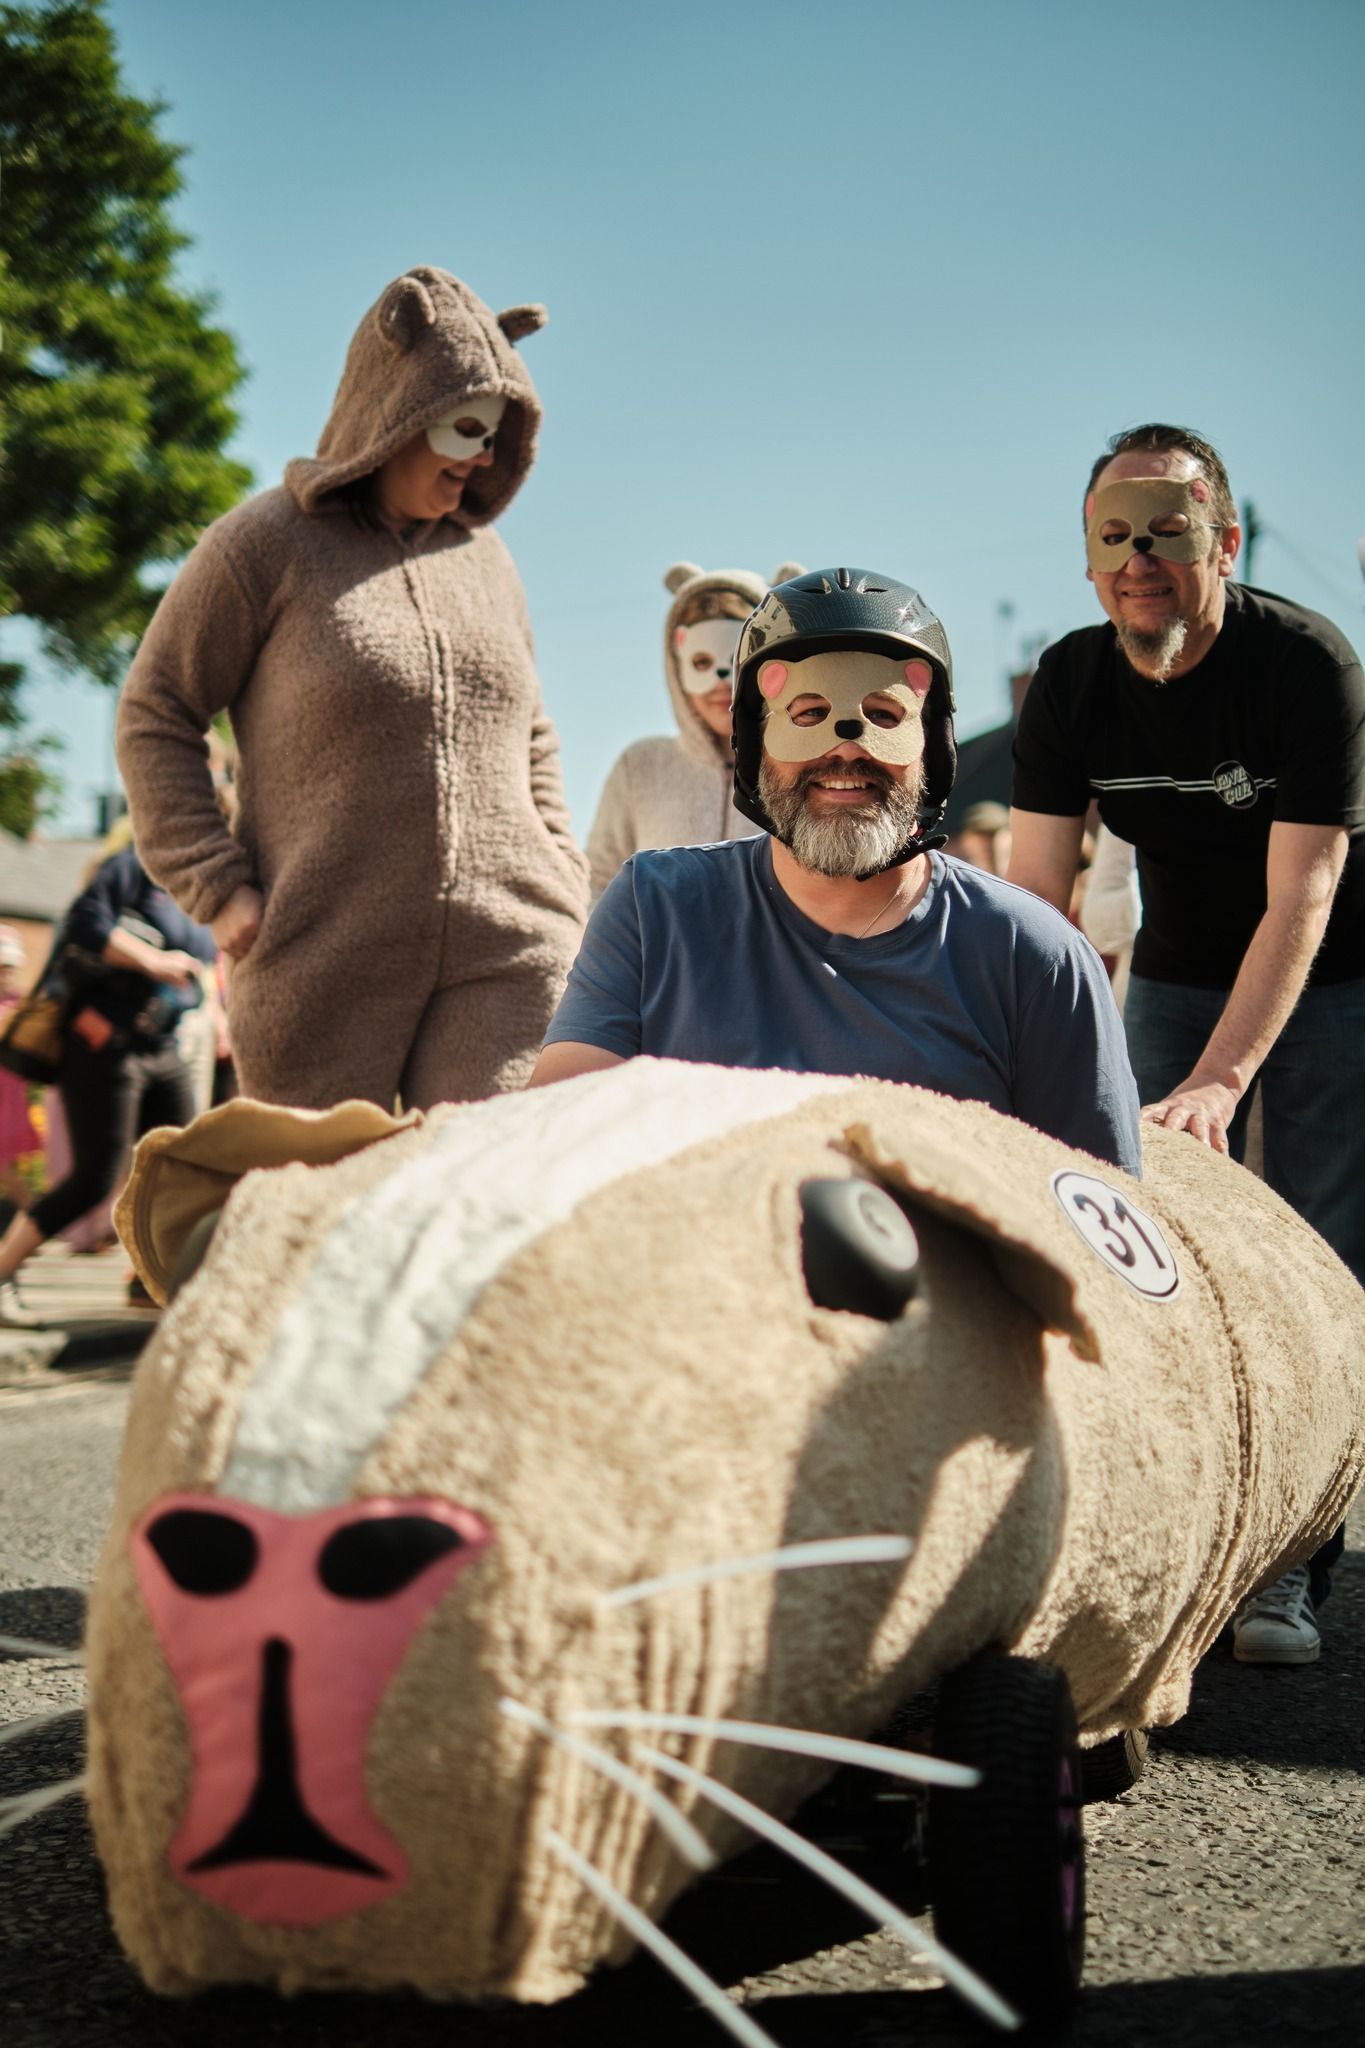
x=1165 y=516
x=843 y=682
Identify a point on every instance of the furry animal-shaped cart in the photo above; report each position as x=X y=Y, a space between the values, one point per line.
x=440 y=1637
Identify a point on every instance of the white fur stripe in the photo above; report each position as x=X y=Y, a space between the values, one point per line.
x=405 y=1263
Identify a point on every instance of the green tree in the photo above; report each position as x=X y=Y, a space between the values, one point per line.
x=115 y=386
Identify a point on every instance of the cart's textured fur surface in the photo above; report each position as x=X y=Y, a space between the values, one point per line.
x=634 y=1380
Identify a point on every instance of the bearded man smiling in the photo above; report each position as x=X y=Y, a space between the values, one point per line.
x=843 y=940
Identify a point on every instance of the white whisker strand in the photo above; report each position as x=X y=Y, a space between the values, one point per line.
x=25 y=1646
x=878 y=1908
x=680 y=1831
x=15 y=1731
x=834 y=1749
x=22 y=1806
x=703 y=1988
x=791 y=1558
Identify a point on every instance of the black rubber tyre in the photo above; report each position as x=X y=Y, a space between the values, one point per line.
x=1114 y=1766
x=1007 y=1859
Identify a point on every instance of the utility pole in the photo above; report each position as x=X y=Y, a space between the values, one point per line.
x=1251 y=533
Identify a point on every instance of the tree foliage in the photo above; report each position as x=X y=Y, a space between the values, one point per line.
x=115 y=386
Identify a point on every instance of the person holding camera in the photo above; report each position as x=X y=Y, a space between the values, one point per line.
x=132 y=965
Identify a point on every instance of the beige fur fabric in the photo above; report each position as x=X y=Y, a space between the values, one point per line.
x=675 y=790
x=400 y=799
x=582 y=1316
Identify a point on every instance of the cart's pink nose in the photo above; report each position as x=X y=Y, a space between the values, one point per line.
x=282 y=1633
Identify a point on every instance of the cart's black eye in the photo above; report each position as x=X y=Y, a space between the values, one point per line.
x=203 y=1551
x=858 y=1251
x=371 y=1560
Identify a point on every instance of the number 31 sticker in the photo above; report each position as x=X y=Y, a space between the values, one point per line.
x=1125 y=1237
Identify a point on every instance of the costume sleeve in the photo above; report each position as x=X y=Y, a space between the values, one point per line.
x=1321 y=775
x=611 y=842
x=601 y=1004
x=1071 y=1076
x=195 y=658
x=547 y=787
x=1049 y=774
x=1111 y=907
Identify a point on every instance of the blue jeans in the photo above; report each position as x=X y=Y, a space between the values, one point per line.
x=1312 y=1090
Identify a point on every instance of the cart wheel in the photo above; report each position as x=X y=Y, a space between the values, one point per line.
x=1114 y=1766
x=1007 y=1859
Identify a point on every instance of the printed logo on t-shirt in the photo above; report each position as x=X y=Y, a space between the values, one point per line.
x=1235 y=786
x=1129 y=1241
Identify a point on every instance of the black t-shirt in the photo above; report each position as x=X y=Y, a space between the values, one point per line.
x=1269 y=726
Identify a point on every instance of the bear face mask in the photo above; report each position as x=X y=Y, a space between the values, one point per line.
x=705 y=654
x=816 y=703
x=469 y=429
x=1164 y=516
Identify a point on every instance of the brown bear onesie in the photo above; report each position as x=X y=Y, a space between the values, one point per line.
x=399 y=795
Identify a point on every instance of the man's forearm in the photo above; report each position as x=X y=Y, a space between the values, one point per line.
x=1268 y=985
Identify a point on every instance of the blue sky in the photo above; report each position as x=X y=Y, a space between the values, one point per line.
x=867 y=283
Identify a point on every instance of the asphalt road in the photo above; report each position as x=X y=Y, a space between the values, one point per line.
x=1224 y=1891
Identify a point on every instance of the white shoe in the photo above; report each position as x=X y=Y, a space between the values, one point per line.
x=13 y=1314
x=1277 y=1626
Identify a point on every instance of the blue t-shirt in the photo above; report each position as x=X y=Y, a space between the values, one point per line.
x=985 y=992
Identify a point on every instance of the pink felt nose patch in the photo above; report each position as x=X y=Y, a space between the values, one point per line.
x=282 y=1633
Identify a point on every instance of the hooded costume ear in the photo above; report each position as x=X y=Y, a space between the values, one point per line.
x=680 y=573
x=179 y=1177
x=786 y=570
x=405 y=312
x=518 y=321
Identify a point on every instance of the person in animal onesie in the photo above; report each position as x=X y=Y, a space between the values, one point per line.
x=841 y=940
x=676 y=791
x=399 y=890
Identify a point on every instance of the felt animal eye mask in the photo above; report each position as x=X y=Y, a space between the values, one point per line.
x=1150 y=515
x=469 y=429
x=874 y=699
x=706 y=654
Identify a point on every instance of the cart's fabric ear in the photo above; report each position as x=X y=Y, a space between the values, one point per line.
x=993 y=1177
x=181 y=1176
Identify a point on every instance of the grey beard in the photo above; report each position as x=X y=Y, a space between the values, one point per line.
x=844 y=842
x=1157 y=652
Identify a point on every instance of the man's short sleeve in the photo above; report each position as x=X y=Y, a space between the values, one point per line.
x=601 y=1003
x=1321 y=774
x=1049 y=773
x=1072 y=1076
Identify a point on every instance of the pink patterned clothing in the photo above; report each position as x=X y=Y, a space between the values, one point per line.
x=17 y=1135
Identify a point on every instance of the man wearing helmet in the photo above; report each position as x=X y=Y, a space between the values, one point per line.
x=843 y=941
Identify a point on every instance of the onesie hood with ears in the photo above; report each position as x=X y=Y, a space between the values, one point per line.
x=426 y=344
x=701 y=594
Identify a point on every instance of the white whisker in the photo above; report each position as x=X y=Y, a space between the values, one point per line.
x=22 y=1806
x=879 y=1909
x=15 y=1731
x=675 y=1825
x=703 y=1988
x=24 y=1646
x=835 y=1749
x=792 y=1557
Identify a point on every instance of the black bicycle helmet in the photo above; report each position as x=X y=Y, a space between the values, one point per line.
x=833 y=608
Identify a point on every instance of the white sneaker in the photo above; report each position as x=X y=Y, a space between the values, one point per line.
x=1277 y=1626
x=13 y=1314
